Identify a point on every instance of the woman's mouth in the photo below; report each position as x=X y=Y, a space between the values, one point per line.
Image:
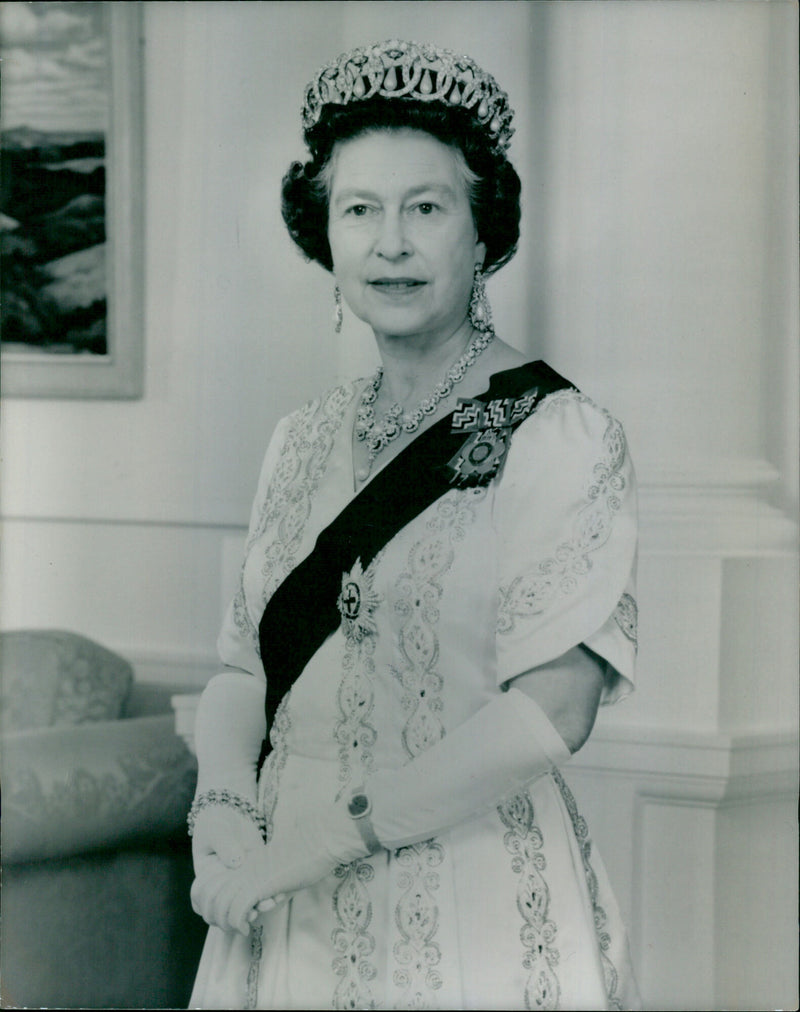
x=396 y=286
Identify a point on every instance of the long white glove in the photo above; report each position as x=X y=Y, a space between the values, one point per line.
x=502 y=748
x=229 y=730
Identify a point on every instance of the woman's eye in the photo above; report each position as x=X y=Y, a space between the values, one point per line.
x=358 y=210
x=426 y=207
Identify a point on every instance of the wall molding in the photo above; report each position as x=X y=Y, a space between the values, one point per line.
x=714 y=506
x=726 y=473
x=708 y=506
x=124 y=521
x=187 y=672
x=699 y=767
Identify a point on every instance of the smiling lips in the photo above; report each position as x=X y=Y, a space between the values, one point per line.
x=396 y=286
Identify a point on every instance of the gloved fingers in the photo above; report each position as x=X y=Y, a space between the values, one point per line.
x=286 y=874
x=234 y=900
x=229 y=898
x=269 y=904
x=225 y=897
x=230 y=906
x=252 y=889
x=240 y=908
x=210 y=879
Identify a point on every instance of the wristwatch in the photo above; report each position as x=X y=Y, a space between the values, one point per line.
x=359 y=808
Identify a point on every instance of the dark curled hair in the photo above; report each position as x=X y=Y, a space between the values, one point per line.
x=495 y=198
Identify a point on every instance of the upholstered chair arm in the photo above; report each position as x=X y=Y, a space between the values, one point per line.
x=72 y=789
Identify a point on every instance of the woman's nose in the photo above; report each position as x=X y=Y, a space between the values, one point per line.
x=392 y=242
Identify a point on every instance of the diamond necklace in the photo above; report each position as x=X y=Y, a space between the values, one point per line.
x=379 y=434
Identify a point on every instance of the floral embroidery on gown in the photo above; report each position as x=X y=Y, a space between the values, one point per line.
x=513 y=908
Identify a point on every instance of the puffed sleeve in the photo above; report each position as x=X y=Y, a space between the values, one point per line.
x=237 y=643
x=566 y=521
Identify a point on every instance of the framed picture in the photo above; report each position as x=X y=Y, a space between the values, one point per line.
x=71 y=200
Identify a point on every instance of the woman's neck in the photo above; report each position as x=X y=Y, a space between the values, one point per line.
x=413 y=366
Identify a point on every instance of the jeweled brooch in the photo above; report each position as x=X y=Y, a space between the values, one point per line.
x=357 y=603
x=489 y=425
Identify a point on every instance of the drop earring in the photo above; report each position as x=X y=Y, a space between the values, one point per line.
x=480 y=312
x=337 y=309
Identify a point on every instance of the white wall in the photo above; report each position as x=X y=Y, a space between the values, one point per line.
x=237 y=333
x=658 y=269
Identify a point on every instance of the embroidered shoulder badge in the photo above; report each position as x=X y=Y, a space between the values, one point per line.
x=357 y=602
x=489 y=425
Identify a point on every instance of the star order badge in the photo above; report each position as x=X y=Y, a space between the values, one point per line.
x=357 y=603
x=479 y=459
x=489 y=426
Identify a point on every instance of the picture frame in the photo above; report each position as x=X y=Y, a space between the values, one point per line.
x=106 y=360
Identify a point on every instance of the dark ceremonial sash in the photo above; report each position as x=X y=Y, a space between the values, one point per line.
x=303 y=611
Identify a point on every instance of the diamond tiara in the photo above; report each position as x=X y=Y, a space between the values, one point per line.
x=420 y=73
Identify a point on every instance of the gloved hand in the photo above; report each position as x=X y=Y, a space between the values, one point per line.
x=223 y=837
x=320 y=839
x=229 y=730
x=222 y=832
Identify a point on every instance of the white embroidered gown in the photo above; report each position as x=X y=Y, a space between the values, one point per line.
x=511 y=909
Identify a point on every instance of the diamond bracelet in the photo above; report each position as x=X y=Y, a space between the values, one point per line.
x=232 y=800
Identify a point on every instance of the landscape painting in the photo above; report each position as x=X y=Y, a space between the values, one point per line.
x=69 y=276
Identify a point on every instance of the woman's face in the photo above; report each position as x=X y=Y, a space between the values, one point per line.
x=402 y=235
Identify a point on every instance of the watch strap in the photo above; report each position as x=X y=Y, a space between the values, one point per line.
x=359 y=808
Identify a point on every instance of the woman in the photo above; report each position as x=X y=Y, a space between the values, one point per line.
x=438 y=587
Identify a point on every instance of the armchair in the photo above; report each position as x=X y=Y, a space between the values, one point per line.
x=96 y=860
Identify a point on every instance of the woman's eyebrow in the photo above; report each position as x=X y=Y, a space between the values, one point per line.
x=353 y=194
x=442 y=189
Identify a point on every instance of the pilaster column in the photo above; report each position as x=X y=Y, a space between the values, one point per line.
x=668 y=268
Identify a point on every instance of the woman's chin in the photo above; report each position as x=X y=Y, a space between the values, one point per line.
x=399 y=324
